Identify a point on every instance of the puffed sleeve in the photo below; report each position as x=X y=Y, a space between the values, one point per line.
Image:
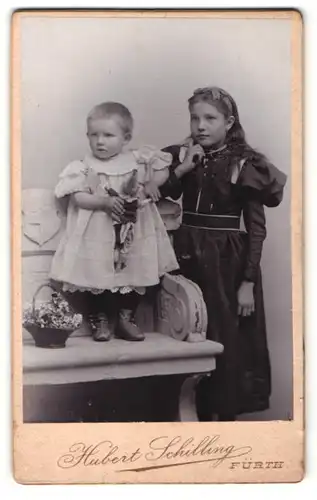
x=262 y=181
x=255 y=224
x=151 y=159
x=172 y=188
x=73 y=179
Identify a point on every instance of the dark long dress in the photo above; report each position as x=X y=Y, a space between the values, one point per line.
x=218 y=259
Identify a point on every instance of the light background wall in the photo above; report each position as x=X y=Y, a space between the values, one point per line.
x=152 y=66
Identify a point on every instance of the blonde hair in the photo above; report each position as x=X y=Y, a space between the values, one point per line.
x=117 y=109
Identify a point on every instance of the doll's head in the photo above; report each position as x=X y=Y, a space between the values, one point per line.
x=214 y=118
x=109 y=129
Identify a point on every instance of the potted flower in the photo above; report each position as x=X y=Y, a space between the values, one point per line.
x=50 y=323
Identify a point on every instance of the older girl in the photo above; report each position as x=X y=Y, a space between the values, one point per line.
x=220 y=178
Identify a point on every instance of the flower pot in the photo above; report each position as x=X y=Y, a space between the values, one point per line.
x=53 y=322
x=51 y=338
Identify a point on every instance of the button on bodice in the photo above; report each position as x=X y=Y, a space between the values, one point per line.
x=208 y=188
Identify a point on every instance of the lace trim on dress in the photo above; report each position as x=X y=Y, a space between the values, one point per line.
x=128 y=161
x=97 y=291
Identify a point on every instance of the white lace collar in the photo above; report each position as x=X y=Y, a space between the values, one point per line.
x=118 y=165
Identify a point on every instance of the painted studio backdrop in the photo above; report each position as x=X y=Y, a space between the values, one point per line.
x=152 y=66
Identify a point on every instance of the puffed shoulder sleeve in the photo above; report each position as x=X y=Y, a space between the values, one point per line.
x=73 y=179
x=149 y=155
x=263 y=180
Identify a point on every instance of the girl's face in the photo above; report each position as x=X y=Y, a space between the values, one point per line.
x=208 y=126
x=106 y=137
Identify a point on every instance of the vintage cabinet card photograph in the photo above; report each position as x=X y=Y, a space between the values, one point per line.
x=157 y=246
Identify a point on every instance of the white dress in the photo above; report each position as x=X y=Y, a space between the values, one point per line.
x=84 y=259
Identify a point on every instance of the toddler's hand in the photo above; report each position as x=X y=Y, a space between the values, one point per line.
x=152 y=191
x=115 y=207
x=246 y=299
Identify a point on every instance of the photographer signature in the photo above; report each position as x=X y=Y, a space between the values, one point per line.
x=161 y=452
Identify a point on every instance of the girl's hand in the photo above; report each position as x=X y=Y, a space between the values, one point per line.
x=246 y=299
x=114 y=205
x=193 y=152
x=152 y=191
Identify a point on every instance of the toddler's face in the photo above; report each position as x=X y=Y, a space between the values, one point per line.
x=106 y=137
x=208 y=126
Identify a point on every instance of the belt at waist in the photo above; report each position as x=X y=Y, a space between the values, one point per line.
x=208 y=221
